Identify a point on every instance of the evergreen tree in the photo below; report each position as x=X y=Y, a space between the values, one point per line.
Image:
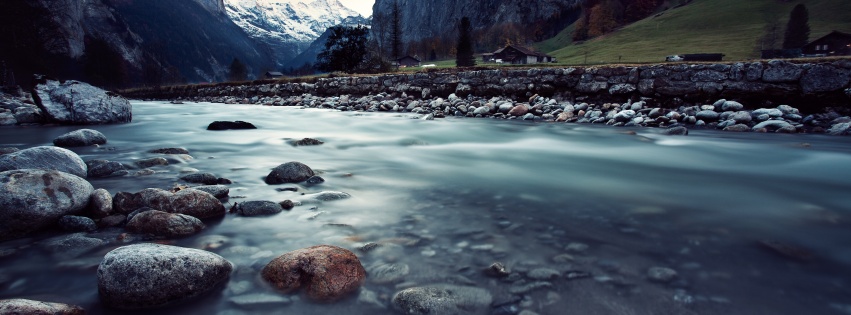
x=797 y=29
x=432 y=56
x=238 y=71
x=464 y=57
x=396 y=32
x=345 y=50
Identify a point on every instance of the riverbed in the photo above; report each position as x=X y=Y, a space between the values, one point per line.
x=752 y=223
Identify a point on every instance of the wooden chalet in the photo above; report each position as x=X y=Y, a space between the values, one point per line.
x=408 y=61
x=834 y=44
x=273 y=74
x=520 y=55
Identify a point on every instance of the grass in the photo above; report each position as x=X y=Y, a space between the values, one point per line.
x=732 y=27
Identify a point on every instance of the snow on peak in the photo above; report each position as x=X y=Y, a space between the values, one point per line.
x=298 y=21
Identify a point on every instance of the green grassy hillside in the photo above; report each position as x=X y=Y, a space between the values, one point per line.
x=732 y=27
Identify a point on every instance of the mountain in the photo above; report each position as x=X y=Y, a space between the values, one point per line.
x=308 y=56
x=287 y=26
x=118 y=43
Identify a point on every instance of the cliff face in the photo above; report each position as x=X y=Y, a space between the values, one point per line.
x=437 y=18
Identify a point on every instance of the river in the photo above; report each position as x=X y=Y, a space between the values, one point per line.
x=449 y=197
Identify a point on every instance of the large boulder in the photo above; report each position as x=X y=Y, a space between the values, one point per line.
x=164 y=224
x=104 y=168
x=825 y=78
x=24 y=306
x=258 y=208
x=32 y=199
x=291 y=172
x=189 y=201
x=442 y=299
x=78 y=103
x=326 y=272
x=80 y=138
x=150 y=275
x=46 y=158
x=230 y=125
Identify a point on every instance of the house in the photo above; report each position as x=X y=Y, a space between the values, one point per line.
x=273 y=75
x=834 y=44
x=408 y=61
x=520 y=55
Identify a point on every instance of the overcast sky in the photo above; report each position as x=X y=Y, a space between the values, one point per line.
x=364 y=7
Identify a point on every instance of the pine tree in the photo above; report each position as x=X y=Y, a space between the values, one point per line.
x=345 y=50
x=396 y=32
x=238 y=71
x=464 y=56
x=797 y=29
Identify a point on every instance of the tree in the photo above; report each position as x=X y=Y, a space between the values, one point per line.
x=464 y=57
x=797 y=29
x=396 y=32
x=603 y=18
x=238 y=71
x=580 y=30
x=345 y=50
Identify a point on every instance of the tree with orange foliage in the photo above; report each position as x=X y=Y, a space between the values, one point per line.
x=603 y=18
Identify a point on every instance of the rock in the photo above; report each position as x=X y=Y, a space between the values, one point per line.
x=125 y=202
x=218 y=191
x=771 y=125
x=388 y=273
x=71 y=246
x=201 y=178
x=74 y=102
x=287 y=204
x=258 y=208
x=737 y=128
x=543 y=274
x=146 y=163
x=100 y=204
x=771 y=112
x=442 y=299
x=230 y=125
x=314 y=180
x=840 y=129
x=779 y=71
x=732 y=106
x=104 y=168
x=73 y=223
x=661 y=274
x=151 y=275
x=676 y=131
x=825 y=78
x=707 y=115
x=325 y=196
x=112 y=220
x=741 y=117
x=188 y=201
x=170 y=151
x=326 y=272
x=788 y=110
x=24 y=306
x=8 y=150
x=625 y=116
x=80 y=138
x=164 y=224
x=46 y=158
x=428 y=117
x=31 y=200
x=306 y=142
x=519 y=110
x=497 y=270
x=291 y=172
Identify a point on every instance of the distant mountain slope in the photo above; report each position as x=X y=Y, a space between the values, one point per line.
x=739 y=29
x=287 y=26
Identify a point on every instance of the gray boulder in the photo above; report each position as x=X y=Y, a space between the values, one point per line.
x=258 y=208
x=80 y=138
x=291 y=172
x=104 y=168
x=189 y=201
x=737 y=128
x=201 y=178
x=825 y=78
x=71 y=246
x=218 y=191
x=46 y=158
x=164 y=224
x=31 y=200
x=676 y=131
x=624 y=116
x=442 y=299
x=772 y=125
x=150 y=275
x=73 y=223
x=741 y=117
x=707 y=115
x=100 y=204
x=24 y=306
x=731 y=106
x=840 y=129
x=74 y=102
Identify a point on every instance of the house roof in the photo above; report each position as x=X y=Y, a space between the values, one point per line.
x=400 y=59
x=524 y=50
x=833 y=33
x=274 y=73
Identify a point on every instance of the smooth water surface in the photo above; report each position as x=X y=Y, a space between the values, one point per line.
x=451 y=196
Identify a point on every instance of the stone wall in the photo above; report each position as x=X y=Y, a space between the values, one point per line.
x=808 y=86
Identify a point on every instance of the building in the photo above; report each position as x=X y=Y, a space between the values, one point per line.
x=834 y=44
x=273 y=75
x=408 y=61
x=520 y=55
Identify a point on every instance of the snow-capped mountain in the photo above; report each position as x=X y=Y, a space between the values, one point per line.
x=288 y=26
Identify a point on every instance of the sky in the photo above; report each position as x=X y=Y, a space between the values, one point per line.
x=364 y=7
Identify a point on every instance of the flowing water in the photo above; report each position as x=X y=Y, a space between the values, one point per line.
x=449 y=197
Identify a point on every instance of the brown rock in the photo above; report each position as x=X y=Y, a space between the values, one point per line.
x=24 y=306
x=164 y=224
x=125 y=202
x=190 y=202
x=327 y=272
x=519 y=110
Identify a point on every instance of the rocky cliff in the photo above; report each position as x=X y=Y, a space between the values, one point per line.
x=436 y=18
